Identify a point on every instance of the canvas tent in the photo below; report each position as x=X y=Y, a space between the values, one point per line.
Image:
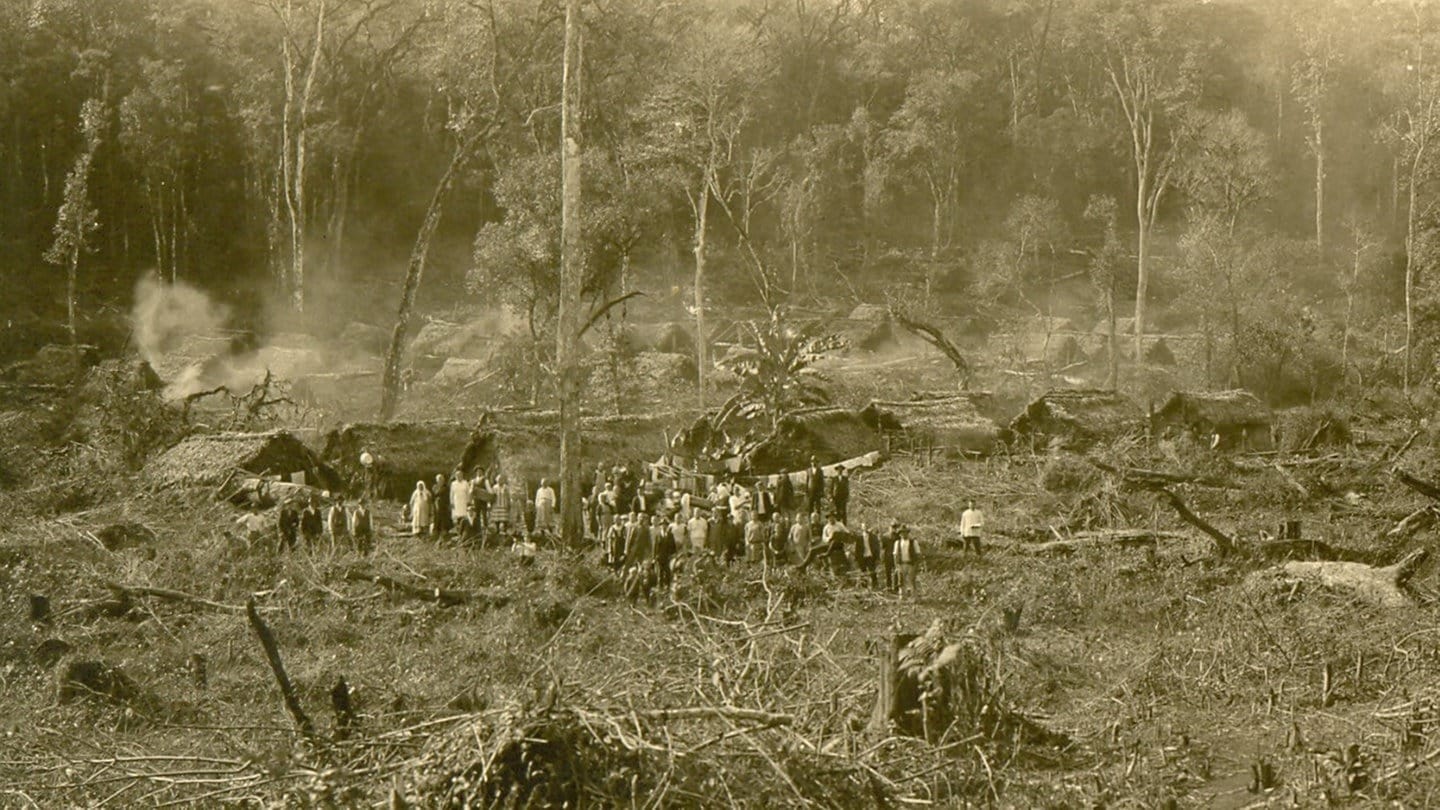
x=209 y=459
x=1235 y=420
x=1076 y=418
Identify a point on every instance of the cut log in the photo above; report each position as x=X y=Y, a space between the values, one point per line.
x=1384 y=587
x=39 y=607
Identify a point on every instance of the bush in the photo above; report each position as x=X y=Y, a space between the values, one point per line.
x=1069 y=474
x=1312 y=426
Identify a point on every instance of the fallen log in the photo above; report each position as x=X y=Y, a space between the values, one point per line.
x=1224 y=544
x=265 y=492
x=277 y=667
x=1420 y=485
x=1414 y=522
x=1103 y=539
x=1158 y=478
x=447 y=597
x=1384 y=587
x=128 y=592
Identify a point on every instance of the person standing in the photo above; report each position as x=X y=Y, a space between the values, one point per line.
x=362 y=528
x=887 y=554
x=252 y=525
x=972 y=524
x=764 y=501
x=814 y=487
x=615 y=545
x=440 y=514
x=907 y=559
x=642 y=502
x=800 y=539
x=785 y=494
x=287 y=523
x=335 y=528
x=545 y=501
x=833 y=538
x=867 y=554
x=840 y=494
x=420 y=509
x=754 y=539
x=312 y=524
x=638 y=547
x=501 y=507
x=461 y=505
x=481 y=497
x=698 y=529
x=664 y=553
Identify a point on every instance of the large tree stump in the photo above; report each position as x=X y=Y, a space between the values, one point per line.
x=1384 y=587
x=897 y=701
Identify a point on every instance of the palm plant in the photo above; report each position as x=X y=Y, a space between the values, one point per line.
x=777 y=373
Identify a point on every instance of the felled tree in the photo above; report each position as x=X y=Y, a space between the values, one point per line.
x=778 y=374
x=77 y=219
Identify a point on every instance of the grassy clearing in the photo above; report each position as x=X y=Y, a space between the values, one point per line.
x=1177 y=678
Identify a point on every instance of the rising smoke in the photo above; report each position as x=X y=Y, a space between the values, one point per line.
x=185 y=336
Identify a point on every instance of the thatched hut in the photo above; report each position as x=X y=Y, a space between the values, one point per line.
x=1232 y=420
x=525 y=445
x=405 y=452
x=950 y=424
x=828 y=434
x=1077 y=418
x=209 y=459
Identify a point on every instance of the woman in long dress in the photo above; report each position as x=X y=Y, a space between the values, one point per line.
x=421 y=509
x=500 y=508
x=545 y=507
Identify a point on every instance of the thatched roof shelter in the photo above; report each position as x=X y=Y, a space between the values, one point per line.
x=828 y=434
x=1238 y=418
x=951 y=423
x=1077 y=417
x=525 y=445
x=405 y=452
x=208 y=459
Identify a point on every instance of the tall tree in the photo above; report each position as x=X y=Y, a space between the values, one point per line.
x=572 y=271
x=1148 y=61
x=77 y=219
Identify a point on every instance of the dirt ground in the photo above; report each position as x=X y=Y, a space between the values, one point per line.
x=1164 y=675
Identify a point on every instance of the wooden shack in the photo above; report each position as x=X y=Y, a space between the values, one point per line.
x=1223 y=420
x=1074 y=419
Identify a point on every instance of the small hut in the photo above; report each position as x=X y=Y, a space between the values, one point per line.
x=1075 y=419
x=209 y=459
x=951 y=424
x=1231 y=420
x=828 y=434
x=405 y=452
x=525 y=445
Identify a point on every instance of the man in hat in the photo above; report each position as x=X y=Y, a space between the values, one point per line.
x=814 y=487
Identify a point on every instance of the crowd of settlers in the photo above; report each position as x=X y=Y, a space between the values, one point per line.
x=645 y=529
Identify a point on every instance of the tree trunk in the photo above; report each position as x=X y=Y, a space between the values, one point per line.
x=702 y=205
x=1410 y=245
x=571 y=275
x=1112 y=376
x=1320 y=185
x=1142 y=275
x=390 y=381
x=71 y=271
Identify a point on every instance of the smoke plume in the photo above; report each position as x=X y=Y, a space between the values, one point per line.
x=183 y=335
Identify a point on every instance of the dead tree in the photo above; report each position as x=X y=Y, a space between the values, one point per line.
x=932 y=334
x=277 y=666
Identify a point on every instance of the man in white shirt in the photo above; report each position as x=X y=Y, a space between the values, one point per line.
x=972 y=523
x=699 y=531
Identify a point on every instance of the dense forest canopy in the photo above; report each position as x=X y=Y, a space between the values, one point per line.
x=1263 y=173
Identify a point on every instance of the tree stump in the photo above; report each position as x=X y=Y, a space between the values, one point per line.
x=39 y=608
x=1378 y=586
x=897 y=701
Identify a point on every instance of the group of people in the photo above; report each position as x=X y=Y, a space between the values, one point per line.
x=317 y=520
x=480 y=506
x=776 y=521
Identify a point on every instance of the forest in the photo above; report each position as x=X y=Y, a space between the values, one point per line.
x=1260 y=176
